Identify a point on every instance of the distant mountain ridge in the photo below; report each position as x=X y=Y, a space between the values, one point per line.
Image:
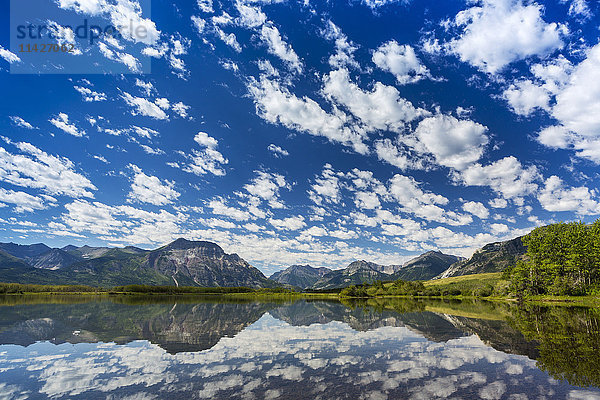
x=358 y=272
x=300 y=276
x=426 y=266
x=493 y=257
x=199 y=263
x=182 y=262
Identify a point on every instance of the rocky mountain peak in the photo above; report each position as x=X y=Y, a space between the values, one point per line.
x=208 y=248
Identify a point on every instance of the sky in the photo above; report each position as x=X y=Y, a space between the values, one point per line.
x=298 y=132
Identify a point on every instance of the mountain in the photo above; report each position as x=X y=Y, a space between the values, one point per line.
x=86 y=251
x=426 y=266
x=385 y=269
x=356 y=273
x=302 y=276
x=206 y=264
x=53 y=259
x=493 y=257
x=24 y=251
x=183 y=262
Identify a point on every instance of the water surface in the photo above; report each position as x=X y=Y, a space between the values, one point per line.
x=146 y=348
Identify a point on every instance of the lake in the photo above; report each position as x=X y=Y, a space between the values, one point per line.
x=219 y=348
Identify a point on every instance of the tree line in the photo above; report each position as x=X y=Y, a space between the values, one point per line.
x=562 y=259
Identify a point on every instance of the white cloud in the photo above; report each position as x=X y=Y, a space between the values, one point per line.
x=266 y=186
x=367 y=200
x=89 y=95
x=150 y=189
x=525 y=96
x=556 y=197
x=578 y=106
x=61 y=121
x=23 y=202
x=454 y=143
x=132 y=63
x=276 y=104
x=278 y=151
x=229 y=39
x=271 y=36
x=20 y=122
x=9 y=56
x=36 y=169
x=250 y=17
x=580 y=8
x=499 y=32
x=414 y=200
x=142 y=106
x=381 y=108
x=181 y=109
x=205 y=6
x=401 y=61
x=123 y=224
x=326 y=187
x=125 y=15
x=506 y=177
x=288 y=224
x=218 y=207
x=476 y=208
x=344 y=49
x=498 y=203
x=499 y=228
x=209 y=159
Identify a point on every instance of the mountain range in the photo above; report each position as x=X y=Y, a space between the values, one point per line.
x=182 y=262
x=199 y=263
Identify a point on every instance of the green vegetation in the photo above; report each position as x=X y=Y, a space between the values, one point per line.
x=562 y=259
x=14 y=288
x=17 y=288
x=480 y=285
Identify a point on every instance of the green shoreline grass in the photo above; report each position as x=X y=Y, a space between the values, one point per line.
x=465 y=284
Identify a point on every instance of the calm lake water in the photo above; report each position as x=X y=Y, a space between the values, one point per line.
x=170 y=348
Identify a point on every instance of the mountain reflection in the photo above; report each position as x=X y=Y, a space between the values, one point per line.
x=404 y=340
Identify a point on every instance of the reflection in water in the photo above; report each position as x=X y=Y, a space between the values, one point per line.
x=144 y=349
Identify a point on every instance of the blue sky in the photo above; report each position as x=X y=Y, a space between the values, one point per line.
x=298 y=131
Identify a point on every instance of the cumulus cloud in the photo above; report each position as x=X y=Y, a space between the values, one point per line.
x=20 y=122
x=476 y=208
x=89 y=95
x=525 y=96
x=278 y=151
x=61 y=121
x=289 y=224
x=326 y=187
x=209 y=159
x=454 y=143
x=277 y=105
x=277 y=46
x=124 y=224
x=125 y=15
x=497 y=32
x=506 y=177
x=142 y=106
x=344 y=49
x=23 y=202
x=9 y=56
x=556 y=197
x=266 y=187
x=36 y=169
x=150 y=189
x=414 y=200
x=578 y=107
x=401 y=61
x=381 y=108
